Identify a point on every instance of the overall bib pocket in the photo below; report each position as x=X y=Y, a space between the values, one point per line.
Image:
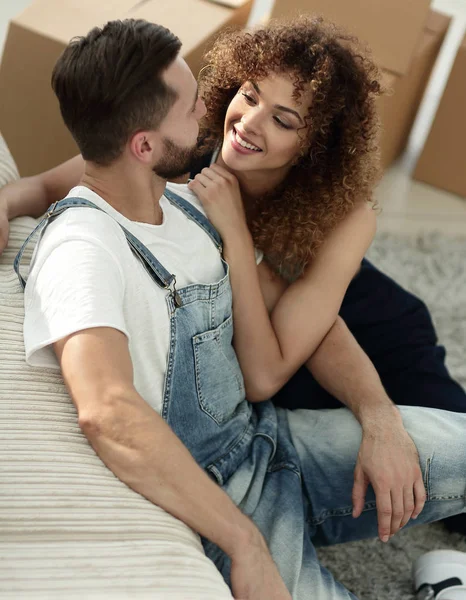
x=219 y=381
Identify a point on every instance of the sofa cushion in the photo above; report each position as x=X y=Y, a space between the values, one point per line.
x=68 y=527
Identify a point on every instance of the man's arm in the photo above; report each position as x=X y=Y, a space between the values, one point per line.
x=141 y=450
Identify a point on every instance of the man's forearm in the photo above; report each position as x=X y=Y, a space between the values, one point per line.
x=141 y=450
x=342 y=367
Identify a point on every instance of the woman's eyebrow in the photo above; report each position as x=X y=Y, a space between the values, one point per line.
x=279 y=106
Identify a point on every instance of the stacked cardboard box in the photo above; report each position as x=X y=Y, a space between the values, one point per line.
x=399 y=108
x=30 y=119
x=443 y=159
x=391 y=28
x=404 y=37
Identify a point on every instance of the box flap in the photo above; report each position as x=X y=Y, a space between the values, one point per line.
x=204 y=17
x=437 y=22
x=191 y=20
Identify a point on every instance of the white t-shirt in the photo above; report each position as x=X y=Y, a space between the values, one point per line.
x=84 y=275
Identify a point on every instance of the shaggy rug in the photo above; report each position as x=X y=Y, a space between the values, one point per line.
x=433 y=266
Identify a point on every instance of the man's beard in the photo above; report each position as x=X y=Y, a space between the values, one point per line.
x=176 y=160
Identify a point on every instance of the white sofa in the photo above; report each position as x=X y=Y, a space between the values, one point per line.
x=68 y=527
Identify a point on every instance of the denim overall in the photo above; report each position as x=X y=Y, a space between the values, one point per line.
x=291 y=472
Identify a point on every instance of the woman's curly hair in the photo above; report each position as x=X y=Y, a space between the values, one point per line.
x=339 y=161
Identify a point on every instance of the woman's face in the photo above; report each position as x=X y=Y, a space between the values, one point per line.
x=264 y=125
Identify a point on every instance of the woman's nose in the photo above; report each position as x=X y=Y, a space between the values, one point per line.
x=203 y=109
x=251 y=121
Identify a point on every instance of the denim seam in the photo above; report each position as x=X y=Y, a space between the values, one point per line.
x=190 y=213
x=170 y=359
x=339 y=512
x=284 y=465
x=215 y=415
x=212 y=466
x=436 y=498
x=427 y=477
x=273 y=443
x=200 y=396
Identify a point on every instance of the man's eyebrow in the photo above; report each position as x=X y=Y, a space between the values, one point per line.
x=279 y=106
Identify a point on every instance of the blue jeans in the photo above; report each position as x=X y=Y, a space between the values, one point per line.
x=302 y=498
x=291 y=472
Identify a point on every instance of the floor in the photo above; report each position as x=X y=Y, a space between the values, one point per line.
x=408 y=206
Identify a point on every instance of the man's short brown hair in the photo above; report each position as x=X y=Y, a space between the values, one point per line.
x=109 y=85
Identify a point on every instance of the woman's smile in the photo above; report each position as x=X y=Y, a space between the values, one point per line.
x=241 y=143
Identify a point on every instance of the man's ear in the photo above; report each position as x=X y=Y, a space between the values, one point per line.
x=144 y=145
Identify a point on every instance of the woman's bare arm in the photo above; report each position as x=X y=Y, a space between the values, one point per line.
x=33 y=195
x=387 y=457
x=271 y=348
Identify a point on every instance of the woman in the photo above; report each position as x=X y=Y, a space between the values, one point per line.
x=308 y=181
x=304 y=177
x=294 y=105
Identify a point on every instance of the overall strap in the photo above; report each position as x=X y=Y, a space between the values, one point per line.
x=195 y=215
x=155 y=269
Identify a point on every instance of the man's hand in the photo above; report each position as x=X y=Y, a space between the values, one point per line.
x=388 y=460
x=254 y=575
x=219 y=192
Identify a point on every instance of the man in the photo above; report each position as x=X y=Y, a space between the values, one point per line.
x=128 y=295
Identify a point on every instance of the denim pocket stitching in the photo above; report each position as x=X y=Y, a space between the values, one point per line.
x=427 y=478
x=198 y=341
x=339 y=512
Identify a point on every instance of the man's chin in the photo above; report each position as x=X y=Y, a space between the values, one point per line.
x=179 y=179
x=172 y=174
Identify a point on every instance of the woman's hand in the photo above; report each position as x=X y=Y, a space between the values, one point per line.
x=219 y=192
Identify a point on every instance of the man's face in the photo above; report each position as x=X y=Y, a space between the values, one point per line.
x=180 y=128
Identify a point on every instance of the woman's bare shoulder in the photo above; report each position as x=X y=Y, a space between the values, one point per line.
x=346 y=245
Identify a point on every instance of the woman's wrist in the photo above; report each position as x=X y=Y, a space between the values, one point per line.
x=8 y=194
x=4 y=209
x=238 y=244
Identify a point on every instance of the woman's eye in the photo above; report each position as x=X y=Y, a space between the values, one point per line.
x=249 y=99
x=282 y=124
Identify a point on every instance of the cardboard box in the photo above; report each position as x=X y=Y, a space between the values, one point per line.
x=391 y=28
x=398 y=110
x=443 y=160
x=30 y=119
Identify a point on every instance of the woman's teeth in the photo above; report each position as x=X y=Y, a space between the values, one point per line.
x=241 y=142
